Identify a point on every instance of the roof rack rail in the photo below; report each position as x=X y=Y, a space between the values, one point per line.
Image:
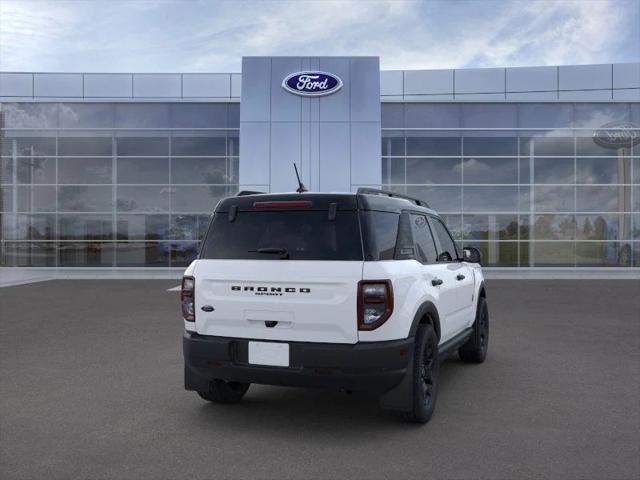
x=243 y=193
x=375 y=191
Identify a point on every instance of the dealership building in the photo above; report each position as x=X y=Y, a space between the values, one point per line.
x=538 y=167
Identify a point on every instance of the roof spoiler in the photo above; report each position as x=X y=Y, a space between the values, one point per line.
x=244 y=193
x=375 y=191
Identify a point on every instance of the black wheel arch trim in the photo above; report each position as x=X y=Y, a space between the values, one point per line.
x=427 y=308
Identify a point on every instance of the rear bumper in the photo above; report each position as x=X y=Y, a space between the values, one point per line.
x=373 y=367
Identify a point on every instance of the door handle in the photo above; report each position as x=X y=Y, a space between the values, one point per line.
x=460 y=277
x=436 y=281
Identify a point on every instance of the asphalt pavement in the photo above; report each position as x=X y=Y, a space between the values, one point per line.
x=91 y=388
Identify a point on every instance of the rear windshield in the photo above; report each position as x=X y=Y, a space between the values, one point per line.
x=292 y=235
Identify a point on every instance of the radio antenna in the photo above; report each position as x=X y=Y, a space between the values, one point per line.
x=301 y=188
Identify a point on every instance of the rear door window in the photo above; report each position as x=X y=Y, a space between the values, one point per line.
x=303 y=235
x=424 y=245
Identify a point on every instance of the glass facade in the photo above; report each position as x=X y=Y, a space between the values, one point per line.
x=113 y=184
x=525 y=183
x=133 y=184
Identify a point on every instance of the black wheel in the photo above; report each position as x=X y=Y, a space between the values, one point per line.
x=425 y=375
x=225 y=392
x=475 y=349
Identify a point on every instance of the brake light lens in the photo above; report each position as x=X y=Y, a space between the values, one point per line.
x=187 y=298
x=375 y=303
x=283 y=204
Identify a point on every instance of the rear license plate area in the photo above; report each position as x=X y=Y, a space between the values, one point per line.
x=269 y=353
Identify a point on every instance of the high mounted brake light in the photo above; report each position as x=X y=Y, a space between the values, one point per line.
x=187 y=298
x=283 y=204
x=375 y=303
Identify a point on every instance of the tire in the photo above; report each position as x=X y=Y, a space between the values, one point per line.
x=426 y=368
x=475 y=349
x=225 y=392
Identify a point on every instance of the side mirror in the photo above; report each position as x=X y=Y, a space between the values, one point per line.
x=471 y=255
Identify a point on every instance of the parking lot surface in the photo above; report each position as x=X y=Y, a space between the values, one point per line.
x=91 y=388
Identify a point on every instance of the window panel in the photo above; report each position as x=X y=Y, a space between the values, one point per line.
x=41 y=146
x=36 y=199
x=491 y=146
x=635 y=227
x=188 y=227
x=86 y=115
x=490 y=170
x=454 y=224
x=199 y=115
x=30 y=115
x=6 y=170
x=490 y=199
x=554 y=170
x=393 y=170
x=233 y=144
x=545 y=115
x=602 y=198
x=85 y=227
x=392 y=115
x=636 y=170
x=434 y=170
x=142 y=115
x=85 y=254
x=36 y=170
x=197 y=199
x=28 y=227
x=490 y=227
x=198 y=146
x=142 y=227
x=546 y=146
x=142 y=146
x=603 y=226
x=553 y=199
x=548 y=254
x=603 y=170
x=603 y=254
x=489 y=115
x=29 y=254
x=85 y=146
x=143 y=170
x=143 y=199
x=84 y=170
x=586 y=146
x=442 y=199
x=6 y=198
x=595 y=115
x=201 y=170
x=422 y=115
x=183 y=253
x=433 y=146
x=392 y=145
x=447 y=249
x=85 y=199
x=554 y=227
x=142 y=254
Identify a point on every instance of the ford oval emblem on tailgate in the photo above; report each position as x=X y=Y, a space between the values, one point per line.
x=312 y=83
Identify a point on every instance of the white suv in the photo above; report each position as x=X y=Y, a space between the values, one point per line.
x=359 y=292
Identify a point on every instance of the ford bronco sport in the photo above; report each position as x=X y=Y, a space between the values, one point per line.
x=359 y=292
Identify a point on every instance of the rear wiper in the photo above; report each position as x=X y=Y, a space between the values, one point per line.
x=284 y=254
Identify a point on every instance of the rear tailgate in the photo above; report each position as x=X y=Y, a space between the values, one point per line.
x=288 y=300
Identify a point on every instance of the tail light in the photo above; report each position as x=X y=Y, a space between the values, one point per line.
x=187 y=297
x=375 y=303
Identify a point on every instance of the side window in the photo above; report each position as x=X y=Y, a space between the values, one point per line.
x=425 y=248
x=446 y=246
x=380 y=234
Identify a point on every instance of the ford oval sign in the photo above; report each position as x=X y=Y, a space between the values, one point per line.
x=617 y=135
x=312 y=84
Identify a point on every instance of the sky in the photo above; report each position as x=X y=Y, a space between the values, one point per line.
x=212 y=36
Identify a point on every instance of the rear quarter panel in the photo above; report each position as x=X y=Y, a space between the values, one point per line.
x=409 y=293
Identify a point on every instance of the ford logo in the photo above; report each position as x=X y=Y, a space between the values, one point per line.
x=312 y=84
x=617 y=135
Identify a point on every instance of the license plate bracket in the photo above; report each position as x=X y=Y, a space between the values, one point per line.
x=273 y=354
